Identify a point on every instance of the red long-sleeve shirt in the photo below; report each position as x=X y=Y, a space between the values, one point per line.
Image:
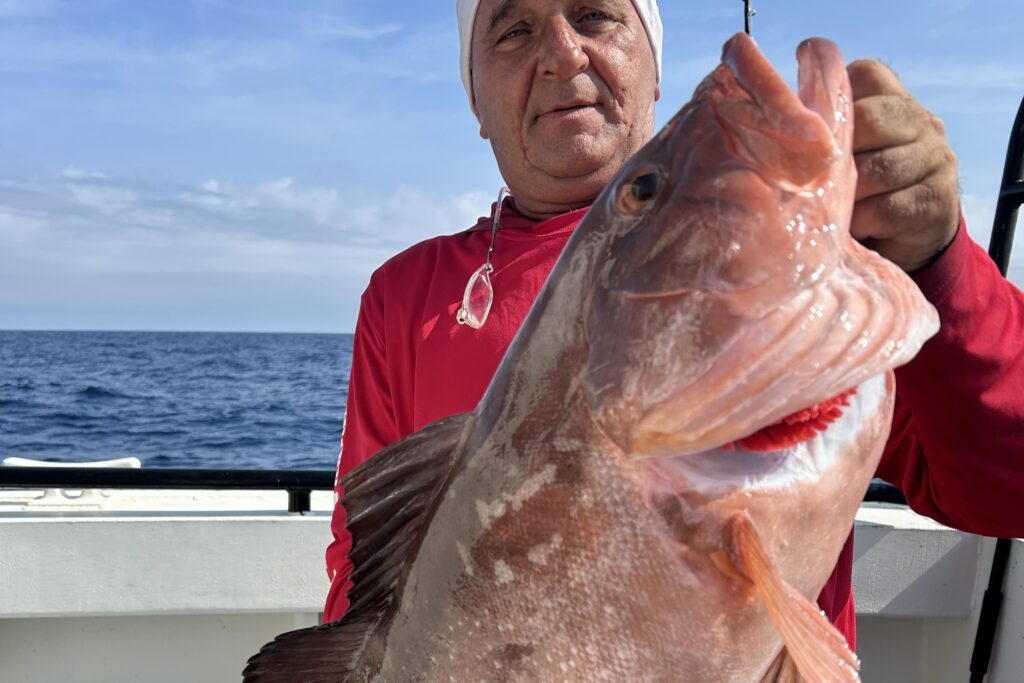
x=957 y=444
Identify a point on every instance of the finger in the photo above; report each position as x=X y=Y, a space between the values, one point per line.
x=882 y=121
x=892 y=169
x=870 y=77
x=910 y=248
x=870 y=220
x=905 y=213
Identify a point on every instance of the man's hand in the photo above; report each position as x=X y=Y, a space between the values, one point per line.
x=907 y=205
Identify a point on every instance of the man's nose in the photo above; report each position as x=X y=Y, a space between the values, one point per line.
x=561 y=49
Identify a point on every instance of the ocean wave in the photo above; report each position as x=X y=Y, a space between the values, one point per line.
x=15 y=403
x=93 y=392
x=61 y=419
x=19 y=384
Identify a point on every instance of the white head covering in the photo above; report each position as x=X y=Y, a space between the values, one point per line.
x=465 y=10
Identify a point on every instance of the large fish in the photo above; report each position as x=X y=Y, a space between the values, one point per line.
x=665 y=467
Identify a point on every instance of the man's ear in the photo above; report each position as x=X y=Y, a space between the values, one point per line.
x=476 y=113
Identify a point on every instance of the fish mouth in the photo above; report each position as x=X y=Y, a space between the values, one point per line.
x=766 y=465
x=797 y=427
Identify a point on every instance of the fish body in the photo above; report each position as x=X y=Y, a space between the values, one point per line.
x=598 y=517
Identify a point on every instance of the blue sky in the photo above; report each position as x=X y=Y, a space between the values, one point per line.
x=246 y=164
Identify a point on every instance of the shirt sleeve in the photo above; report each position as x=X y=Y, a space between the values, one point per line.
x=369 y=426
x=957 y=443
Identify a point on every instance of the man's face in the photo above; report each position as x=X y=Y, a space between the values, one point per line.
x=565 y=92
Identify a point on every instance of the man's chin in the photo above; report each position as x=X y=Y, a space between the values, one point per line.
x=577 y=163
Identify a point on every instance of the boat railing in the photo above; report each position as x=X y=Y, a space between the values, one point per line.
x=298 y=483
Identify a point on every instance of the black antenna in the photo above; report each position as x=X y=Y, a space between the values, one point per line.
x=748 y=12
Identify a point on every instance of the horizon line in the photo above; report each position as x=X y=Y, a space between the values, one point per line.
x=170 y=331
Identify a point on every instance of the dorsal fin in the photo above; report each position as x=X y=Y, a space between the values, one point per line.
x=389 y=500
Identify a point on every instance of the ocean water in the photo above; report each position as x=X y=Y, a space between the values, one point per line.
x=268 y=401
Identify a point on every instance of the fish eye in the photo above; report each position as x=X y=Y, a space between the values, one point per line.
x=636 y=193
x=643 y=187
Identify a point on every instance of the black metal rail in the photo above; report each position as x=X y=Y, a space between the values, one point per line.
x=298 y=483
x=1011 y=196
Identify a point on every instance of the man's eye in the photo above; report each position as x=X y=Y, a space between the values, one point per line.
x=514 y=32
x=593 y=15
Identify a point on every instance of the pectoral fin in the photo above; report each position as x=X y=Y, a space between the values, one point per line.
x=818 y=651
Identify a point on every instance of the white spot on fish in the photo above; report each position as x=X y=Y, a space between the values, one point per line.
x=464 y=556
x=489 y=513
x=503 y=573
x=539 y=554
x=532 y=486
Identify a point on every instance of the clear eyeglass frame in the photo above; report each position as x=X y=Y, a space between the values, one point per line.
x=479 y=295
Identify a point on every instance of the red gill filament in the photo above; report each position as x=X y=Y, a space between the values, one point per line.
x=801 y=426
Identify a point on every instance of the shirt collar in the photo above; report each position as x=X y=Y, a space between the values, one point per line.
x=512 y=220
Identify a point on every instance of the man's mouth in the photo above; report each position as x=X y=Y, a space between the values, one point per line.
x=568 y=109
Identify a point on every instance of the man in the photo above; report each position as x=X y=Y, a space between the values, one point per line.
x=564 y=90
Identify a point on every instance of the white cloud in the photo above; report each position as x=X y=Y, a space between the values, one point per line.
x=75 y=172
x=83 y=222
x=281 y=254
x=978 y=212
x=102 y=198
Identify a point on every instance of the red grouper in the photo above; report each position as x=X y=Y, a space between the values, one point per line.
x=662 y=473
